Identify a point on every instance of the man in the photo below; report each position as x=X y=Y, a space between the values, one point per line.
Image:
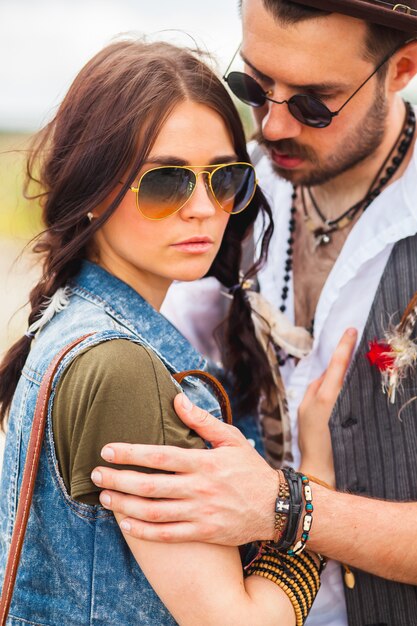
x=342 y=181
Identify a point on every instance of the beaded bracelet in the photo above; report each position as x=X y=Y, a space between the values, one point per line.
x=298 y=576
x=307 y=519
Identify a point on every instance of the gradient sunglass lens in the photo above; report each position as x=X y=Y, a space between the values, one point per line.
x=162 y=191
x=233 y=186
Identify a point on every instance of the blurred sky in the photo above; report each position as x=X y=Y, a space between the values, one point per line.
x=44 y=43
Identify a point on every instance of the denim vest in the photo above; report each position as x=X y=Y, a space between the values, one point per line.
x=76 y=568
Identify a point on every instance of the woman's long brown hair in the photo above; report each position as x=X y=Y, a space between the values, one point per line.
x=127 y=91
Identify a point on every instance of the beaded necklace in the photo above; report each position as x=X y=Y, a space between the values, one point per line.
x=322 y=235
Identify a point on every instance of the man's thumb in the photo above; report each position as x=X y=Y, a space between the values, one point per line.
x=208 y=427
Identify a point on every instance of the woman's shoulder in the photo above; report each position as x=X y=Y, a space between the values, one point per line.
x=115 y=380
x=120 y=360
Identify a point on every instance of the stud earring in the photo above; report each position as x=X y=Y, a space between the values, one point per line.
x=90 y=216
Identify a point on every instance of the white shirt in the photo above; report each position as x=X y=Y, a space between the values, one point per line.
x=345 y=301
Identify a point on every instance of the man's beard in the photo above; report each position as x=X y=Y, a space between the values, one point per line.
x=357 y=146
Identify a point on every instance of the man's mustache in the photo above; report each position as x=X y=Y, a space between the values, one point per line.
x=289 y=147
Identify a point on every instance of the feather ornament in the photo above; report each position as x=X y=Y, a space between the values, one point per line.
x=295 y=340
x=56 y=303
x=396 y=355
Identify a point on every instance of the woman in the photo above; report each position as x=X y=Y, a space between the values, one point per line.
x=144 y=179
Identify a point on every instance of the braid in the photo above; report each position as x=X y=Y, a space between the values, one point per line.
x=241 y=351
x=10 y=371
x=63 y=246
x=245 y=358
x=58 y=270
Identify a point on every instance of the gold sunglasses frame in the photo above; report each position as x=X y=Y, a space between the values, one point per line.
x=209 y=174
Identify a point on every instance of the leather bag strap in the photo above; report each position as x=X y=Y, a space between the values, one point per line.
x=217 y=388
x=28 y=480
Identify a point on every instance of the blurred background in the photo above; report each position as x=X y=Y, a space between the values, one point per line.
x=43 y=44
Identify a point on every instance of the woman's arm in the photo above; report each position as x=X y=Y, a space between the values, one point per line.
x=203 y=584
x=123 y=389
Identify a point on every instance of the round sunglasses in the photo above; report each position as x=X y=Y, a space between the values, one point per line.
x=306 y=108
x=164 y=190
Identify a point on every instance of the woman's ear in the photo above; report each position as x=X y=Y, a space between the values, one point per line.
x=403 y=67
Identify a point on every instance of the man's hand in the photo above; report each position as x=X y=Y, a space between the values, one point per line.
x=316 y=408
x=225 y=495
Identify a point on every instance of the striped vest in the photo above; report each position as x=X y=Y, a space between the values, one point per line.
x=375 y=453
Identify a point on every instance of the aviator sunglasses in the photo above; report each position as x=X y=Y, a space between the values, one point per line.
x=164 y=190
x=306 y=108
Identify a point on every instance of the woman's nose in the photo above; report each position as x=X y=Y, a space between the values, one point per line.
x=202 y=204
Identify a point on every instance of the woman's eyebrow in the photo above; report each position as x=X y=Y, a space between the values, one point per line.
x=165 y=160
x=174 y=160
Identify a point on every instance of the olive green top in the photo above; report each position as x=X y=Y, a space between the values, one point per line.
x=115 y=391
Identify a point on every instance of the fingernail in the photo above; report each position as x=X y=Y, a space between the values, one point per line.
x=107 y=453
x=96 y=477
x=125 y=525
x=186 y=403
x=352 y=332
x=105 y=499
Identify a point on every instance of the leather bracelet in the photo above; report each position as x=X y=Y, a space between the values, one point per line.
x=293 y=479
x=282 y=508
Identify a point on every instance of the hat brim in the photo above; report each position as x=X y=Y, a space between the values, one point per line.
x=370 y=11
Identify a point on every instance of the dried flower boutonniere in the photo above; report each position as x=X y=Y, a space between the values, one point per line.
x=396 y=354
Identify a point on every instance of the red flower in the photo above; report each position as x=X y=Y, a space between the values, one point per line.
x=380 y=355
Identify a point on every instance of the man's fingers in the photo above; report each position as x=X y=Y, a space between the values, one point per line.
x=166 y=533
x=141 y=484
x=339 y=363
x=171 y=458
x=166 y=458
x=208 y=427
x=147 y=510
x=313 y=388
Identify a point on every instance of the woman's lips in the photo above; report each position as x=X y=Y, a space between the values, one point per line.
x=195 y=245
x=286 y=161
